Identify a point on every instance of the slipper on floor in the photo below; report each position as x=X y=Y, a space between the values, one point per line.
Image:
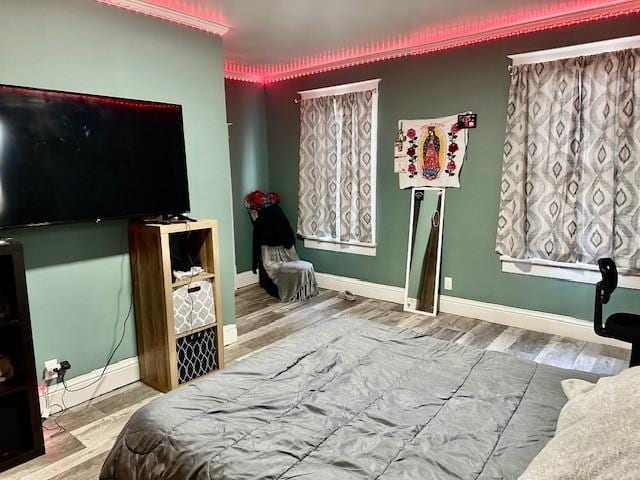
x=347 y=295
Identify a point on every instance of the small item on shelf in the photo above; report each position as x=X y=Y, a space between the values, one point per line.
x=5 y=307
x=195 y=270
x=6 y=368
x=167 y=219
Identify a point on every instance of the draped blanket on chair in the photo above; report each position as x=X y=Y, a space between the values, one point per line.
x=570 y=189
x=282 y=273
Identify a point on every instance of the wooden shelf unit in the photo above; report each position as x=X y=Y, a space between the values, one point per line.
x=153 y=286
x=21 y=437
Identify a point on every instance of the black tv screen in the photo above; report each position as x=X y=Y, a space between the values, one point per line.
x=69 y=157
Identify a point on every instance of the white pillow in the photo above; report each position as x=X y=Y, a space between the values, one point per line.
x=598 y=432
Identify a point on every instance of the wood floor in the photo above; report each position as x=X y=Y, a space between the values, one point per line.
x=78 y=446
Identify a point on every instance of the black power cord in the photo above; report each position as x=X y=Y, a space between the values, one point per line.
x=113 y=351
x=106 y=365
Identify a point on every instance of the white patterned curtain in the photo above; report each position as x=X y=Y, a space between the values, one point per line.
x=335 y=190
x=570 y=189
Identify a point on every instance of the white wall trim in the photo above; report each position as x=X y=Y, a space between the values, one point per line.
x=360 y=287
x=340 y=284
x=501 y=314
x=511 y=316
x=230 y=334
x=527 y=319
x=340 y=89
x=117 y=375
x=574 y=272
x=592 y=48
x=165 y=13
x=333 y=246
x=244 y=279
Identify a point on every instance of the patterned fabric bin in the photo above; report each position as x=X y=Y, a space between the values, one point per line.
x=193 y=306
x=196 y=354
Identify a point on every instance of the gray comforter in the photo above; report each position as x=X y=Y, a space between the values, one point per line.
x=349 y=400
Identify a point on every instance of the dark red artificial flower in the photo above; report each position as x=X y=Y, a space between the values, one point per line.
x=453 y=147
x=411 y=151
x=258 y=199
x=411 y=133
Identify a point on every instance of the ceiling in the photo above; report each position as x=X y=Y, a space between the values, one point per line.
x=274 y=39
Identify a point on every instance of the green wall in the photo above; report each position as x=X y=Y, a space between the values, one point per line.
x=246 y=112
x=78 y=276
x=470 y=78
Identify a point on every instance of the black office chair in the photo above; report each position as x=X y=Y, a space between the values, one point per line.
x=621 y=326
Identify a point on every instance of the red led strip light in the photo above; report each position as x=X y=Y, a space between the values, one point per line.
x=437 y=39
x=54 y=94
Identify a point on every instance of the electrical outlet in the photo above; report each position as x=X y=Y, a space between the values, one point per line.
x=448 y=283
x=49 y=373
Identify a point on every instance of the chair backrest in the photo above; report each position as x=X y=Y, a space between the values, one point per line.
x=609 y=278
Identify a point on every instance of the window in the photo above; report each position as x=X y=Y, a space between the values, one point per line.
x=570 y=190
x=337 y=179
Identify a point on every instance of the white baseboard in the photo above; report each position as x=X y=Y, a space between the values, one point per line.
x=116 y=376
x=339 y=284
x=360 y=287
x=244 y=279
x=528 y=319
x=230 y=334
x=511 y=316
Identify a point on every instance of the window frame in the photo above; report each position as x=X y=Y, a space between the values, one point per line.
x=331 y=244
x=574 y=272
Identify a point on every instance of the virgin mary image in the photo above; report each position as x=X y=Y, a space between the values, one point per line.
x=431 y=155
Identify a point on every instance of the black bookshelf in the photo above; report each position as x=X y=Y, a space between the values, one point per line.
x=21 y=438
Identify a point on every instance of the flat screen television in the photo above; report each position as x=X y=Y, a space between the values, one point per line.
x=70 y=157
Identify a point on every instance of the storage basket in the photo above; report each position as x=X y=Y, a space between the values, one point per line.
x=193 y=306
x=196 y=354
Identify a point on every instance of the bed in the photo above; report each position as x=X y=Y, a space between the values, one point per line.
x=349 y=399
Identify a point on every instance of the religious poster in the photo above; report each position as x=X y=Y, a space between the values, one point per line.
x=429 y=153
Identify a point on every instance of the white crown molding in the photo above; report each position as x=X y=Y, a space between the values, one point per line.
x=517 y=28
x=148 y=8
